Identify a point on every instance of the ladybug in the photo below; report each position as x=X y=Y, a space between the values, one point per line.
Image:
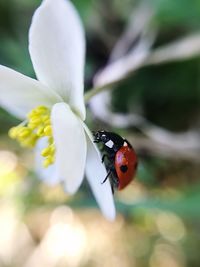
x=119 y=158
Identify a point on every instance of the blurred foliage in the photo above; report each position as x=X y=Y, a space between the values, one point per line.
x=180 y=13
x=177 y=88
x=159 y=214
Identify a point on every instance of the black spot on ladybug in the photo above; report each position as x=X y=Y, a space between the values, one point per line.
x=123 y=168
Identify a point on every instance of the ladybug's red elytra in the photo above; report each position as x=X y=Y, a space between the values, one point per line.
x=119 y=158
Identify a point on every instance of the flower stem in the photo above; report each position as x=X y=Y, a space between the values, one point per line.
x=96 y=90
x=92 y=92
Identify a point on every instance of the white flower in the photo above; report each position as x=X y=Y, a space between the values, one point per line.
x=57 y=50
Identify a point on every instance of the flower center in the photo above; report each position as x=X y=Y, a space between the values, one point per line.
x=36 y=126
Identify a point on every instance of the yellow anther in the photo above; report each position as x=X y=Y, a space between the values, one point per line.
x=37 y=112
x=50 y=140
x=48 y=161
x=42 y=109
x=46 y=151
x=45 y=118
x=47 y=122
x=30 y=141
x=32 y=114
x=35 y=120
x=48 y=130
x=52 y=149
x=13 y=132
x=31 y=126
x=33 y=139
x=48 y=154
x=19 y=129
x=40 y=131
x=38 y=124
x=24 y=132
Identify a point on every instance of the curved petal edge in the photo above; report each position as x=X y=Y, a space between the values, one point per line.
x=95 y=174
x=19 y=93
x=57 y=50
x=71 y=148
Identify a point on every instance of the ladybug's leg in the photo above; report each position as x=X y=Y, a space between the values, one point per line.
x=103 y=157
x=108 y=174
x=112 y=184
x=109 y=156
x=112 y=188
x=110 y=170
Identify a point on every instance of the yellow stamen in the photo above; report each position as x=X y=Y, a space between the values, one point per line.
x=46 y=119
x=50 y=140
x=40 y=131
x=47 y=130
x=13 y=132
x=24 y=132
x=46 y=151
x=48 y=161
x=37 y=125
x=31 y=126
x=35 y=120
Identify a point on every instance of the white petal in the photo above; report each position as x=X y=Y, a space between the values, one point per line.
x=57 y=49
x=19 y=93
x=95 y=173
x=48 y=175
x=70 y=143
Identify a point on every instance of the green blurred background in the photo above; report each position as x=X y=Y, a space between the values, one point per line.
x=158 y=221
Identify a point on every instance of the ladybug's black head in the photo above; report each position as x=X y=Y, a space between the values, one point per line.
x=101 y=136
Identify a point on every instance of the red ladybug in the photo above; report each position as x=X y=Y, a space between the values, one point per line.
x=119 y=157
